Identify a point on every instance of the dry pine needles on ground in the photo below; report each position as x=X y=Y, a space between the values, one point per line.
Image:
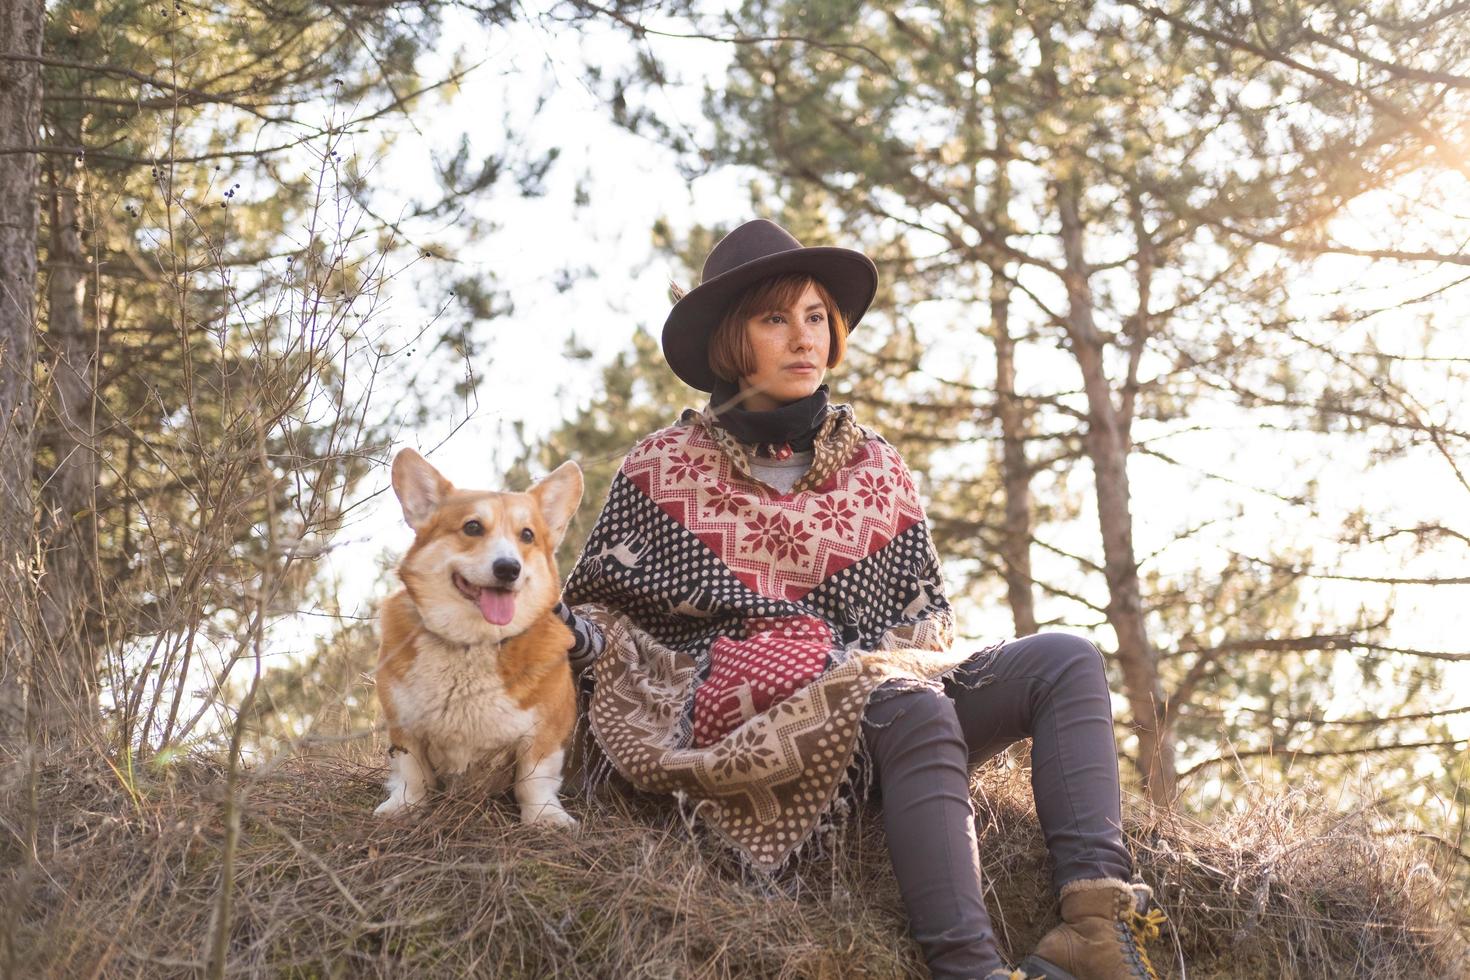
x=125 y=880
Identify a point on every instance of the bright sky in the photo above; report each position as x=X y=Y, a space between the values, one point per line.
x=631 y=183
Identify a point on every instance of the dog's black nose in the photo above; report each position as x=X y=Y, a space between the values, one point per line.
x=507 y=569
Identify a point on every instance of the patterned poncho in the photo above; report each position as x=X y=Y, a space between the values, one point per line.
x=745 y=629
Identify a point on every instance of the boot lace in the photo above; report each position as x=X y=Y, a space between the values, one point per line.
x=1140 y=928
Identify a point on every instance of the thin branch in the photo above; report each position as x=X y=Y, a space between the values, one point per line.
x=1377 y=579
x=1323 y=753
x=1450 y=155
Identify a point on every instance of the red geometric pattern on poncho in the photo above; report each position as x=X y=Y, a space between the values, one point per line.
x=779 y=656
x=779 y=545
x=668 y=576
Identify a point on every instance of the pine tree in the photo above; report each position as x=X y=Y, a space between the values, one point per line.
x=208 y=262
x=20 y=107
x=1087 y=179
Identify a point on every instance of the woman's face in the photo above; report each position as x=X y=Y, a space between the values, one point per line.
x=790 y=349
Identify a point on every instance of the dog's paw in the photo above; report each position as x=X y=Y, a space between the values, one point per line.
x=394 y=806
x=549 y=815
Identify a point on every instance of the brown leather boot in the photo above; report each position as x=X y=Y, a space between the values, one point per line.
x=1105 y=922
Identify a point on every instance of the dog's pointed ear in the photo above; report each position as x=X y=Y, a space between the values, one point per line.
x=558 y=496
x=420 y=487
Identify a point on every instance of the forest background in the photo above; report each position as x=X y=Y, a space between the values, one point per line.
x=1171 y=325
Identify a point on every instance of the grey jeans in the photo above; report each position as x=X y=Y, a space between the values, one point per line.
x=1049 y=687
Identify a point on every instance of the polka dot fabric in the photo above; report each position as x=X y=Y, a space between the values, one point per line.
x=779 y=545
x=745 y=629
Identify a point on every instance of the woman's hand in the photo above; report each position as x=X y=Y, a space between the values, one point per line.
x=587 y=638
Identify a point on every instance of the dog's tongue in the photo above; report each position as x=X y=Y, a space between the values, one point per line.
x=497 y=605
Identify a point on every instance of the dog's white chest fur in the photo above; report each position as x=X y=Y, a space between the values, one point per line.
x=455 y=701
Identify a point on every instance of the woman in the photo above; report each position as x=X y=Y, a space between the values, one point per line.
x=762 y=605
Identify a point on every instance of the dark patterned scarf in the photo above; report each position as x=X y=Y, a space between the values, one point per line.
x=793 y=425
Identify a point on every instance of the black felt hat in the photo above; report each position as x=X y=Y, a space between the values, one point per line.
x=757 y=250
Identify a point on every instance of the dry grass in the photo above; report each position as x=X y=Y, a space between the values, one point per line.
x=125 y=886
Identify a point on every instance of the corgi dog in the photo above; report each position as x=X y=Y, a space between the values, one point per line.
x=472 y=667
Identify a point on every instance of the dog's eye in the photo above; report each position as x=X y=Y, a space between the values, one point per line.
x=473 y=528
x=528 y=535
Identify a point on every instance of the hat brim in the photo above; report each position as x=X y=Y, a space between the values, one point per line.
x=850 y=276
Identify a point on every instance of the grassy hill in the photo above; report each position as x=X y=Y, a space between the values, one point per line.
x=127 y=873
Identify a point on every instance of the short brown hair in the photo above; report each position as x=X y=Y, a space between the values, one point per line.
x=730 y=355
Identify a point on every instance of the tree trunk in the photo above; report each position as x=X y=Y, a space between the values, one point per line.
x=66 y=669
x=1107 y=446
x=21 y=23
x=1015 y=471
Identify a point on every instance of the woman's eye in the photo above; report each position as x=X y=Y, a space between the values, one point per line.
x=473 y=528
x=528 y=535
